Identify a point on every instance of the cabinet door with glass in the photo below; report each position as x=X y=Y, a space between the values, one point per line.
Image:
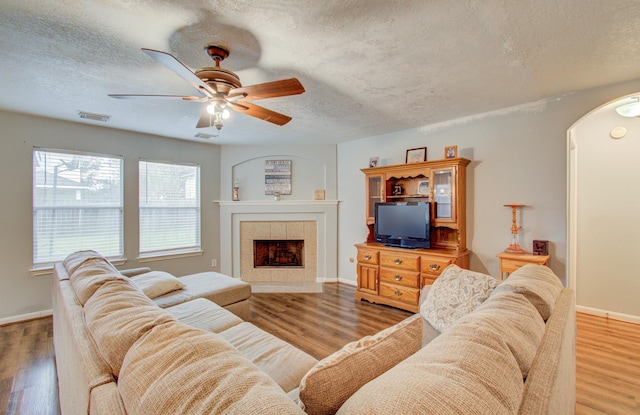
x=375 y=194
x=444 y=196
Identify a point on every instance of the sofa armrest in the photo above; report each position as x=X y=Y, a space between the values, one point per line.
x=134 y=271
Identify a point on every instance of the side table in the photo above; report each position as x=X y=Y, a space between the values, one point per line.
x=509 y=262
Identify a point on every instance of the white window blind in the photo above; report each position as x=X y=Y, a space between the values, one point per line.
x=77 y=205
x=169 y=208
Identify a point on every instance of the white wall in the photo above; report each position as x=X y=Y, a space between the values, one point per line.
x=23 y=293
x=312 y=167
x=605 y=177
x=518 y=156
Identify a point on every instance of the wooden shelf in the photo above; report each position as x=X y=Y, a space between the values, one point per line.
x=397 y=282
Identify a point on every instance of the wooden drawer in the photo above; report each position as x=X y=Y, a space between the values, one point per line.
x=427 y=279
x=511 y=265
x=400 y=293
x=368 y=256
x=433 y=265
x=408 y=279
x=400 y=261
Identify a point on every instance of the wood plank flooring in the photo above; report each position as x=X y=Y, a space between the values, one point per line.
x=608 y=351
x=607 y=366
x=28 y=383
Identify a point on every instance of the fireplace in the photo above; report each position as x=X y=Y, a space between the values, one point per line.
x=314 y=221
x=278 y=253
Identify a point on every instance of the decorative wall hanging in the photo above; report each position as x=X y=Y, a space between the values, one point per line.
x=277 y=177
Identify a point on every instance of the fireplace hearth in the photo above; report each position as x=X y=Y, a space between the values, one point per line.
x=278 y=253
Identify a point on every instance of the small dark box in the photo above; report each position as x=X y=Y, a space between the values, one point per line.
x=540 y=247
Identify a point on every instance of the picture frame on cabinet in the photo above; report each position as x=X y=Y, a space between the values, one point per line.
x=416 y=155
x=423 y=187
x=540 y=247
x=373 y=161
x=451 y=152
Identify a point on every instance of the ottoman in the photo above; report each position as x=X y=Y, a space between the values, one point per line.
x=230 y=293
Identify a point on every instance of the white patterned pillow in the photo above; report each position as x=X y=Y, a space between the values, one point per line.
x=454 y=294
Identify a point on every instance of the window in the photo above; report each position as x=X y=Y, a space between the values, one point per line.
x=77 y=205
x=169 y=208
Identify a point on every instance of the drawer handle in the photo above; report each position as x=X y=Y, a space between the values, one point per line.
x=398 y=293
x=397 y=277
x=397 y=261
x=434 y=267
x=367 y=257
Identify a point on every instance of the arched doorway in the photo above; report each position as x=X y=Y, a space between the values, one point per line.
x=604 y=212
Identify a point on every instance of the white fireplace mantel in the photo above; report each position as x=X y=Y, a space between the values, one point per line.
x=324 y=212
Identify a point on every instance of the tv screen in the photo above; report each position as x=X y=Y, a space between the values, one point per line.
x=403 y=224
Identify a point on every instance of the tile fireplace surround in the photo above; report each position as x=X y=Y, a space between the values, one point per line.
x=242 y=222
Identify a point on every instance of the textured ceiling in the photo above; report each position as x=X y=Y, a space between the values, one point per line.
x=368 y=67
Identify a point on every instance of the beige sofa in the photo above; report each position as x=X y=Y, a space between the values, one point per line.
x=510 y=350
x=110 y=338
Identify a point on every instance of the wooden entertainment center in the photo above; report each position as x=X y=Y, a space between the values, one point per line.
x=394 y=276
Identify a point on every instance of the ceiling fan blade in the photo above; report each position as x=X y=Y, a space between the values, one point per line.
x=273 y=89
x=170 y=62
x=260 y=112
x=140 y=96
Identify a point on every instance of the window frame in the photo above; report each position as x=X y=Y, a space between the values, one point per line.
x=41 y=265
x=172 y=252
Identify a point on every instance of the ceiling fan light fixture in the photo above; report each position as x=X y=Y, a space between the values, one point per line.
x=225 y=114
x=629 y=110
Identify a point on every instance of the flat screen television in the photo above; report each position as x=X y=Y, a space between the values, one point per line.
x=403 y=224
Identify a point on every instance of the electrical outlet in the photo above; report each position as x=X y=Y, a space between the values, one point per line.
x=214 y=262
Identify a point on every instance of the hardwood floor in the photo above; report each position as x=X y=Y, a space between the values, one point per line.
x=608 y=351
x=28 y=383
x=320 y=324
x=607 y=366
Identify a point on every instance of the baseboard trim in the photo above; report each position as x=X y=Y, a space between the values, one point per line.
x=608 y=314
x=323 y=280
x=348 y=282
x=25 y=317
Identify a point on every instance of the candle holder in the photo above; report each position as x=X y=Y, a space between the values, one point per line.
x=514 y=247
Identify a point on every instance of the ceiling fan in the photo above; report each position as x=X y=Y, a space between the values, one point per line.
x=221 y=89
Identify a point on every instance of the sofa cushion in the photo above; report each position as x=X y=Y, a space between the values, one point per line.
x=117 y=315
x=538 y=284
x=90 y=275
x=455 y=293
x=157 y=283
x=513 y=318
x=334 y=379
x=468 y=369
x=176 y=369
x=219 y=288
x=281 y=361
x=74 y=260
x=204 y=315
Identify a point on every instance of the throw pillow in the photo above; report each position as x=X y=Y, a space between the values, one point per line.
x=454 y=294
x=334 y=379
x=157 y=283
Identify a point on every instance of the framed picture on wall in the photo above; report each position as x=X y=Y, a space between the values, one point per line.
x=277 y=177
x=451 y=152
x=416 y=155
